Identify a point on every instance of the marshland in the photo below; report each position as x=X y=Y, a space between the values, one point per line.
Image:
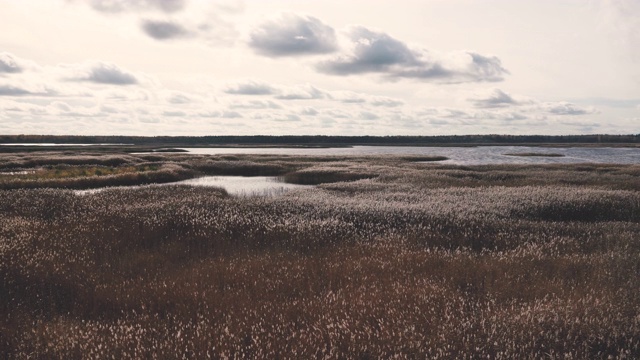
x=376 y=257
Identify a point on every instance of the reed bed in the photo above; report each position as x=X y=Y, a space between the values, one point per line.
x=415 y=261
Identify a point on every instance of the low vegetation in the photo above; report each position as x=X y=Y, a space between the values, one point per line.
x=385 y=258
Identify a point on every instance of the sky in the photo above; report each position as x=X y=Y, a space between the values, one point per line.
x=319 y=67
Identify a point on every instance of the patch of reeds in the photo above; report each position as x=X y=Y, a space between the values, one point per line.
x=96 y=177
x=316 y=175
x=239 y=168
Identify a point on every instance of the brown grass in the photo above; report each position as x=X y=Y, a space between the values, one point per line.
x=422 y=261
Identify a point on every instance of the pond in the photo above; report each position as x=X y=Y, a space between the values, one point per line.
x=478 y=155
x=244 y=185
x=234 y=185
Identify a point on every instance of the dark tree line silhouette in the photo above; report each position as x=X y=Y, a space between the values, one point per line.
x=322 y=140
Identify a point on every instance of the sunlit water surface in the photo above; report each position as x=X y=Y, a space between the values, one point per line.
x=244 y=185
x=480 y=155
x=234 y=185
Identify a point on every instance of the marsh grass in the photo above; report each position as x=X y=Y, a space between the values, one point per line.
x=420 y=261
x=66 y=171
x=83 y=177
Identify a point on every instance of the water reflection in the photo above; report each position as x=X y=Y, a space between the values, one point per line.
x=244 y=186
x=234 y=185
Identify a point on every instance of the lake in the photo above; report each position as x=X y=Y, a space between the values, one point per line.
x=479 y=155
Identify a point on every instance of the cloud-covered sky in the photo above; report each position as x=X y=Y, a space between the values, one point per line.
x=357 y=67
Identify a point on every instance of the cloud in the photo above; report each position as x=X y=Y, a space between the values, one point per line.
x=373 y=52
x=566 y=108
x=105 y=73
x=309 y=111
x=9 y=64
x=256 y=104
x=366 y=115
x=497 y=98
x=119 y=6
x=378 y=52
x=179 y=19
x=164 y=30
x=385 y=101
x=348 y=97
x=306 y=92
x=250 y=88
x=291 y=35
x=287 y=118
x=231 y=115
x=179 y=98
x=29 y=90
x=174 y=113
x=9 y=90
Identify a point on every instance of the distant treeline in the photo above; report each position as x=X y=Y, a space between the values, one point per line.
x=321 y=140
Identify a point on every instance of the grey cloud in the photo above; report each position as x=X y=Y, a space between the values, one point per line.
x=256 y=104
x=118 y=6
x=377 y=52
x=338 y=114
x=302 y=93
x=12 y=90
x=373 y=52
x=164 y=30
x=353 y=100
x=174 y=113
x=103 y=73
x=455 y=114
x=386 y=102
x=231 y=115
x=513 y=116
x=250 y=88
x=366 y=115
x=209 y=113
x=309 y=111
x=179 y=99
x=497 y=98
x=8 y=90
x=347 y=97
x=8 y=64
x=288 y=117
x=565 y=108
x=292 y=35
x=486 y=68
